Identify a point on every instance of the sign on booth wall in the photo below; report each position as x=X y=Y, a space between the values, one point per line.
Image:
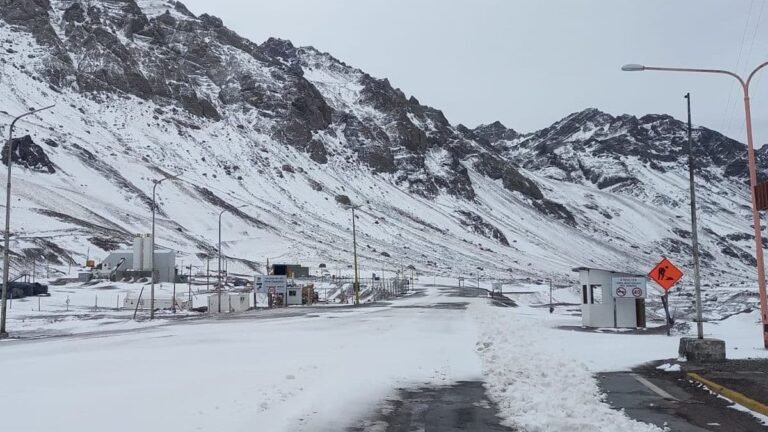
x=629 y=287
x=271 y=284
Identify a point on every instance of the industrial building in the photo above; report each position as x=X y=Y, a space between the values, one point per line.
x=290 y=270
x=136 y=262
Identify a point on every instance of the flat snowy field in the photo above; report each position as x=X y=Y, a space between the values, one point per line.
x=328 y=369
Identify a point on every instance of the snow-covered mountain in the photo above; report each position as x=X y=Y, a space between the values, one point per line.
x=283 y=136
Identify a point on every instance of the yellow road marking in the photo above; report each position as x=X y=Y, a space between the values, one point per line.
x=731 y=394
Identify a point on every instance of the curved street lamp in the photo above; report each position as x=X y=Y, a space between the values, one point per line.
x=7 y=239
x=152 y=245
x=752 y=171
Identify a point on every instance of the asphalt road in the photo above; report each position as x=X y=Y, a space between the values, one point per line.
x=460 y=407
x=671 y=400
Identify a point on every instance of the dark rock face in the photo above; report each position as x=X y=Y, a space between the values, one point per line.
x=209 y=71
x=317 y=152
x=556 y=210
x=343 y=200
x=181 y=8
x=28 y=154
x=184 y=50
x=659 y=141
x=515 y=181
x=495 y=132
x=308 y=113
x=214 y=199
x=477 y=224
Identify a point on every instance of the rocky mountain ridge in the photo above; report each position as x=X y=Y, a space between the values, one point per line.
x=146 y=87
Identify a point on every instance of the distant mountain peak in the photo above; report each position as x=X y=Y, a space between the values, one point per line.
x=495 y=131
x=144 y=87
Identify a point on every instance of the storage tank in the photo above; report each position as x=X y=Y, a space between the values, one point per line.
x=142 y=249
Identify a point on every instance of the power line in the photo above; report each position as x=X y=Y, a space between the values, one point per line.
x=754 y=34
x=729 y=106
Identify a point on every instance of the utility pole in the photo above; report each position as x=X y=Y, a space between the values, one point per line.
x=189 y=282
x=173 y=297
x=354 y=251
x=7 y=239
x=694 y=225
x=219 y=275
x=551 y=307
x=152 y=245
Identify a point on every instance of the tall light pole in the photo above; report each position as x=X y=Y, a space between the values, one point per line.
x=752 y=172
x=218 y=286
x=7 y=238
x=152 y=245
x=356 y=285
x=694 y=225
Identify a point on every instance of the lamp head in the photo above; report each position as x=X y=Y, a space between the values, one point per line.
x=633 y=68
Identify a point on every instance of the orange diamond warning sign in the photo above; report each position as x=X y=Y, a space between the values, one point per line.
x=666 y=274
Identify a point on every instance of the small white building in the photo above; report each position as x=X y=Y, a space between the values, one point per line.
x=294 y=295
x=612 y=299
x=230 y=302
x=163 y=302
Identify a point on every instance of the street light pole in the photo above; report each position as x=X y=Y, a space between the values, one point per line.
x=218 y=289
x=152 y=245
x=354 y=253
x=752 y=172
x=354 y=247
x=694 y=225
x=551 y=308
x=7 y=238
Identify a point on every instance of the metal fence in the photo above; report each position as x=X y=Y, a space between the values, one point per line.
x=336 y=291
x=342 y=290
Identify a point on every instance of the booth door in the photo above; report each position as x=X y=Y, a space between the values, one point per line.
x=640 y=309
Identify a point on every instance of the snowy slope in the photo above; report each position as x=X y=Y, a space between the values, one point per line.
x=145 y=89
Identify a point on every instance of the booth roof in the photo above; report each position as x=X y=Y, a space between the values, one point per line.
x=578 y=269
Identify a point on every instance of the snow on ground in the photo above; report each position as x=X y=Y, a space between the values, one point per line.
x=310 y=369
x=302 y=373
x=668 y=367
x=533 y=367
x=541 y=378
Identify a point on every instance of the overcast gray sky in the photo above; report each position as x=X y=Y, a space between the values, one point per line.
x=529 y=63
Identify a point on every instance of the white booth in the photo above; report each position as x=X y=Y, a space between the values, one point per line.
x=611 y=298
x=230 y=302
x=161 y=302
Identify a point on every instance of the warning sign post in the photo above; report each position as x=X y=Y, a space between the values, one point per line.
x=666 y=274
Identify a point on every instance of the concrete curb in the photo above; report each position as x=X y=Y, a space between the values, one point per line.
x=731 y=394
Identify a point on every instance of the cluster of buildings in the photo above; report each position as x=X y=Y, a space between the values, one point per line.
x=135 y=265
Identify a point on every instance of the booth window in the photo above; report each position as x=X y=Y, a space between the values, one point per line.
x=584 y=294
x=292 y=293
x=596 y=289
